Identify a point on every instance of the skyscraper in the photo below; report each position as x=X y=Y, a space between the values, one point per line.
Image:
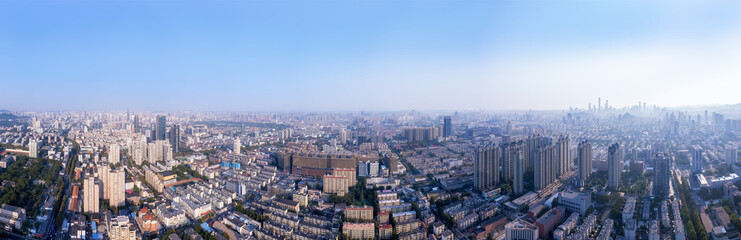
x=237 y=146
x=33 y=149
x=662 y=166
x=486 y=167
x=447 y=126
x=114 y=154
x=175 y=137
x=731 y=153
x=696 y=152
x=585 y=160
x=160 y=129
x=91 y=201
x=614 y=166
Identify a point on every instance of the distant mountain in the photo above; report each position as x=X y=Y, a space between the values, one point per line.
x=4 y=111
x=7 y=116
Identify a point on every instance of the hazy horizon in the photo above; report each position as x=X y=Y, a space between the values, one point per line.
x=333 y=56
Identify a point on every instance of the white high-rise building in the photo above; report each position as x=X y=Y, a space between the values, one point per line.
x=159 y=150
x=696 y=152
x=237 y=146
x=343 y=136
x=91 y=201
x=114 y=154
x=731 y=153
x=114 y=185
x=33 y=149
x=139 y=151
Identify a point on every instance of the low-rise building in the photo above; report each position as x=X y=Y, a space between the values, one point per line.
x=359 y=230
x=519 y=229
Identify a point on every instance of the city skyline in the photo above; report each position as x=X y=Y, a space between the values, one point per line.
x=366 y=56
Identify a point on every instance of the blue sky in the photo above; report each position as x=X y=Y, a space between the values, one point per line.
x=366 y=55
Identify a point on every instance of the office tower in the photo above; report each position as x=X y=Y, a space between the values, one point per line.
x=706 y=116
x=237 y=146
x=662 y=166
x=128 y=115
x=696 y=152
x=614 y=166
x=486 y=167
x=731 y=153
x=563 y=147
x=585 y=160
x=175 y=137
x=607 y=107
x=33 y=148
x=136 y=123
x=519 y=171
x=91 y=203
x=343 y=136
x=599 y=104
x=114 y=154
x=447 y=126
x=159 y=131
x=544 y=167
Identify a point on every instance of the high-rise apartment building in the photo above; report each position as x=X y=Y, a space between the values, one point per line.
x=237 y=146
x=486 y=167
x=510 y=151
x=350 y=173
x=662 y=175
x=544 y=166
x=33 y=148
x=343 y=136
x=114 y=185
x=585 y=160
x=532 y=144
x=563 y=148
x=114 y=154
x=447 y=126
x=731 y=153
x=335 y=184
x=91 y=201
x=614 y=166
x=160 y=128
x=519 y=172
x=139 y=150
x=696 y=152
